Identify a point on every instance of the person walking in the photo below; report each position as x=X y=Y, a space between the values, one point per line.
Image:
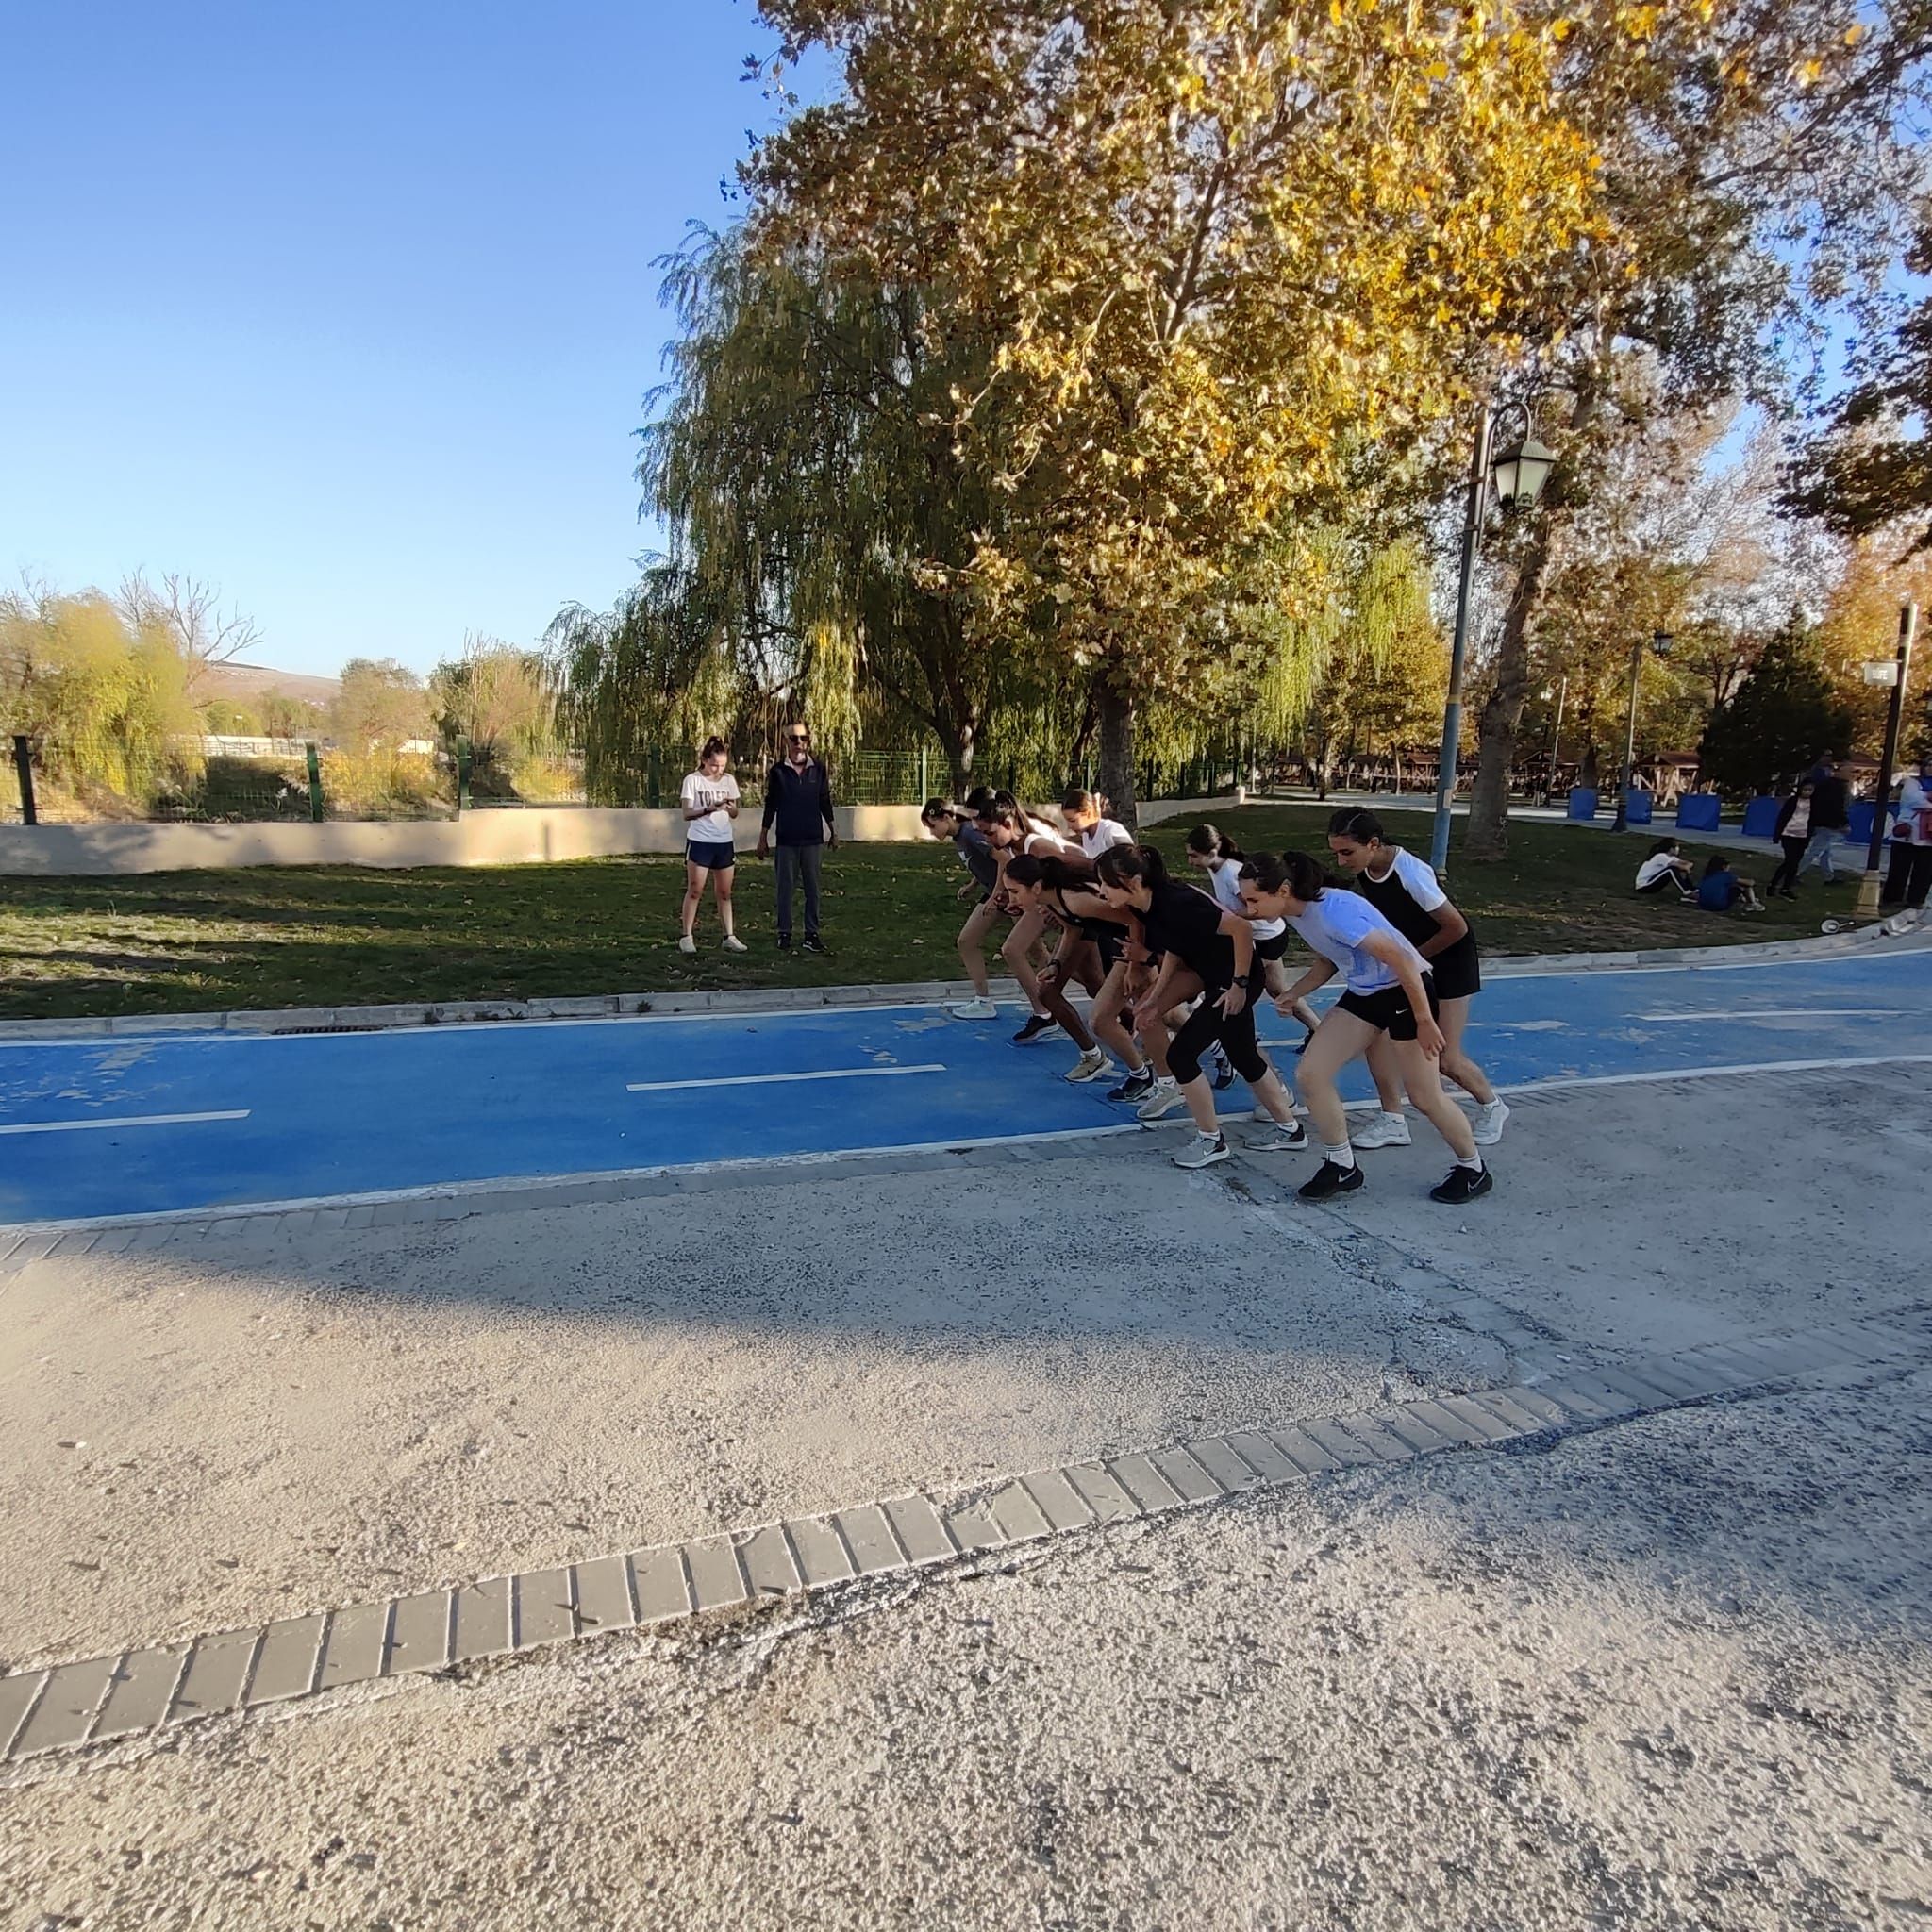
x=1908 y=866
x=798 y=807
x=1831 y=820
x=1793 y=832
x=708 y=798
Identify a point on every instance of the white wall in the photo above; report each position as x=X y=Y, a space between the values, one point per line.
x=528 y=835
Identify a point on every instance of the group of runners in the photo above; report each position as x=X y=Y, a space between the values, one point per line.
x=1173 y=970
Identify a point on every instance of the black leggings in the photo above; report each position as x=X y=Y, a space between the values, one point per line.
x=1787 y=873
x=1207 y=1024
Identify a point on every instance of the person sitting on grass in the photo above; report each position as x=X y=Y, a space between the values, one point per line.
x=1666 y=871
x=1721 y=889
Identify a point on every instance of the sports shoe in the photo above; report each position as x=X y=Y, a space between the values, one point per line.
x=1262 y=1117
x=1289 y=1138
x=813 y=943
x=1223 y=1071
x=1488 y=1122
x=685 y=943
x=784 y=941
x=1036 y=1025
x=1162 y=1098
x=1137 y=1086
x=1330 y=1180
x=1204 y=1150
x=734 y=944
x=1463 y=1184
x=1383 y=1130
x=974 y=1010
x=1092 y=1066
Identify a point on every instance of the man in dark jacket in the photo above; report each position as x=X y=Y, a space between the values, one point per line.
x=1831 y=820
x=798 y=808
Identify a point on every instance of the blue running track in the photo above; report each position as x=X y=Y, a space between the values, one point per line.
x=143 y=1125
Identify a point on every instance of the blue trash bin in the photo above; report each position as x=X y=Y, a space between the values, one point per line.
x=1699 y=812
x=1760 y=818
x=1582 y=804
x=1636 y=808
x=1861 y=812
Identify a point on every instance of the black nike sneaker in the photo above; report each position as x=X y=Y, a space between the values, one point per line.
x=1036 y=1025
x=1463 y=1184
x=1330 y=1180
x=1135 y=1087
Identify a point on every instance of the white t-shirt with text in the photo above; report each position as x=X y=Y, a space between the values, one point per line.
x=714 y=794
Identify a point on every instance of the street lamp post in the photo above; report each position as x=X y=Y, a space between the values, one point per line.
x=1901 y=665
x=1517 y=476
x=1660 y=644
x=1556 y=736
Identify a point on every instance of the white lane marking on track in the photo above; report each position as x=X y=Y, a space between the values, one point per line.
x=448 y=1191
x=1790 y=1013
x=1880 y=1059
x=765 y=1079
x=137 y=1120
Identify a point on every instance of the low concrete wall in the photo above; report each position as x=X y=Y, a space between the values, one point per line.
x=528 y=836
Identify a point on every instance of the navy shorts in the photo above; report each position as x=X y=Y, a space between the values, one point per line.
x=718 y=857
x=1389 y=1009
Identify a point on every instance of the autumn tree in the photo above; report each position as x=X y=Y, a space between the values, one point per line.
x=1756 y=165
x=379 y=702
x=1870 y=470
x=1206 y=249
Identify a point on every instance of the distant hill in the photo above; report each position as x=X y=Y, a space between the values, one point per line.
x=244 y=681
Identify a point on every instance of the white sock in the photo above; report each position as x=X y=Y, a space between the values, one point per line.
x=1475 y=1164
x=1342 y=1155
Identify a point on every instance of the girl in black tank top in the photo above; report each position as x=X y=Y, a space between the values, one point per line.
x=1408 y=895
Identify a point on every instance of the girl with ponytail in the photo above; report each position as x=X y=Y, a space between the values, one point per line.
x=1195 y=939
x=1388 y=991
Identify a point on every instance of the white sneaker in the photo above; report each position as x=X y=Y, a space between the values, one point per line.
x=1092 y=1066
x=685 y=943
x=1166 y=1096
x=1204 y=1150
x=1488 y=1122
x=734 y=944
x=1262 y=1118
x=1281 y=1137
x=1383 y=1130
x=974 y=1010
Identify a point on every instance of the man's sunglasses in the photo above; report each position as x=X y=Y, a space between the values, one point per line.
x=799 y=737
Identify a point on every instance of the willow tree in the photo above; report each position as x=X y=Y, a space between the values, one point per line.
x=1210 y=246
x=816 y=500
x=1758 y=161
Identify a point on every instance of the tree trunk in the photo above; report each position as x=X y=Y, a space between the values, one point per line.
x=1487 y=834
x=1115 y=700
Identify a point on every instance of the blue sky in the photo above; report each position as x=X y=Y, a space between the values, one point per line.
x=351 y=308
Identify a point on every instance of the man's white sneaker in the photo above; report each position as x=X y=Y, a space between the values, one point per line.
x=685 y=943
x=734 y=944
x=1204 y=1150
x=1279 y=1139
x=1092 y=1066
x=974 y=1010
x=1166 y=1096
x=1383 y=1130
x=1488 y=1122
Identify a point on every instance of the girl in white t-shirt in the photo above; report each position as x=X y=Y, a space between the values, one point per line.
x=708 y=798
x=1387 y=991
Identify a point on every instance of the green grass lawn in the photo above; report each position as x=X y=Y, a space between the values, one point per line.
x=339 y=935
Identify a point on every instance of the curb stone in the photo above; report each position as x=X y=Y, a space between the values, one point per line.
x=125 y=1696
